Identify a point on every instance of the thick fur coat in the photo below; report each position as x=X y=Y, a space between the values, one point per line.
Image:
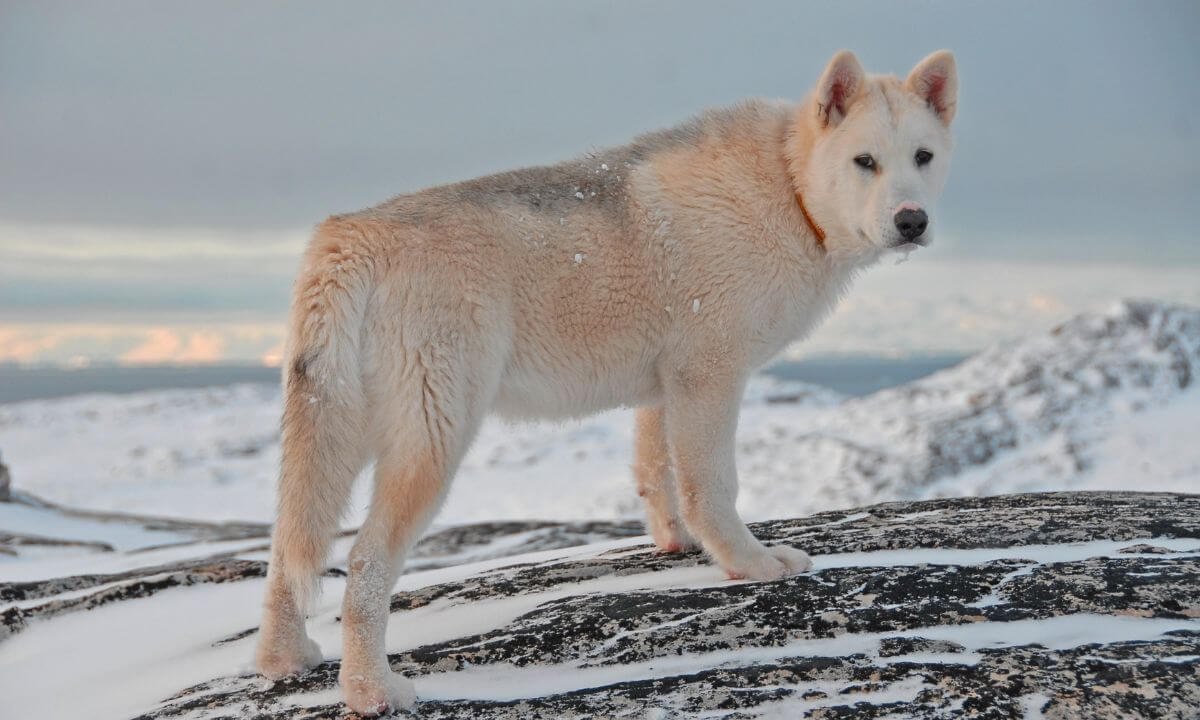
x=656 y=275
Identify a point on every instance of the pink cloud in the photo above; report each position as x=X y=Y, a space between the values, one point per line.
x=16 y=346
x=163 y=345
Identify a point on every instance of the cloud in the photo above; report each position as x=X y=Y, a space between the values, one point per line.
x=26 y=347
x=931 y=305
x=271 y=134
x=164 y=345
x=201 y=347
x=64 y=267
x=927 y=305
x=273 y=357
x=141 y=344
x=161 y=345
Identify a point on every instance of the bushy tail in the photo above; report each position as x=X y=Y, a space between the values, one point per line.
x=324 y=412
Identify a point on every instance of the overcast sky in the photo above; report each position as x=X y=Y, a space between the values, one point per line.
x=166 y=156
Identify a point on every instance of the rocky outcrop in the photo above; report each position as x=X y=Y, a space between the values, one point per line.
x=1058 y=605
x=197 y=542
x=5 y=481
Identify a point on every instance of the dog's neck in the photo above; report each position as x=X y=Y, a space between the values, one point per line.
x=812 y=224
x=797 y=143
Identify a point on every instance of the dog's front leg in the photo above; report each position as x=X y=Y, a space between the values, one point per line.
x=702 y=411
x=656 y=482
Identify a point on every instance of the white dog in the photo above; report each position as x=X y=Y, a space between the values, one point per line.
x=655 y=275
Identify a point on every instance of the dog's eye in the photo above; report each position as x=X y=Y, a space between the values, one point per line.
x=923 y=157
x=865 y=161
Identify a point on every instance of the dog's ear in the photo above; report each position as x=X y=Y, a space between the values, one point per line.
x=935 y=79
x=840 y=84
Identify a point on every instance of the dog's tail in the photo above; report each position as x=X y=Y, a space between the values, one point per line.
x=324 y=411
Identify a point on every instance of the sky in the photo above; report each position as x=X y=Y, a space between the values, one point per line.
x=162 y=162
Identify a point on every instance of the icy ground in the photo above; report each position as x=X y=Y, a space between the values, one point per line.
x=1068 y=605
x=1106 y=401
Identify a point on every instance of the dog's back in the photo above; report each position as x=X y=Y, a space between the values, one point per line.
x=579 y=275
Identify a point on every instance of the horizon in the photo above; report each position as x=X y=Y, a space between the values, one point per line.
x=852 y=376
x=274 y=364
x=917 y=308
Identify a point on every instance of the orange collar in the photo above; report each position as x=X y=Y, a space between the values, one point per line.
x=811 y=223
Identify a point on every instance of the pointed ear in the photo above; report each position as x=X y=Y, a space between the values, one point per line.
x=935 y=79
x=839 y=86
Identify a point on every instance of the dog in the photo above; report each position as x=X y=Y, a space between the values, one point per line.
x=656 y=275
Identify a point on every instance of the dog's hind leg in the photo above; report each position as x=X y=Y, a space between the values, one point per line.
x=656 y=482
x=322 y=453
x=444 y=396
x=322 y=441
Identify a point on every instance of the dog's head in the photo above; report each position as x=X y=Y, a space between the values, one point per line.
x=878 y=152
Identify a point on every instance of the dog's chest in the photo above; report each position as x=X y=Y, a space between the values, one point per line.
x=794 y=308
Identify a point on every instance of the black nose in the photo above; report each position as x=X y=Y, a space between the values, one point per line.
x=911 y=223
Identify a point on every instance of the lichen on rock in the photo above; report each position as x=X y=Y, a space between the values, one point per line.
x=1065 y=604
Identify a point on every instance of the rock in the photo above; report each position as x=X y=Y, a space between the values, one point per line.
x=442 y=548
x=5 y=482
x=1144 y=549
x=1062 y=604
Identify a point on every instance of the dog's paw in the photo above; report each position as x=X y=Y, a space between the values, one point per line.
x=772 y=563
x=286 y=660
x=374 y=694
x=672 y=537
x=796 y=560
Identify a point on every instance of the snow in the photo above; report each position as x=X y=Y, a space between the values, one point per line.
x=1160 y=443
x=74 y=561
x=210 y=453
x=26 y=520
x=1187 y=547
x=1033 y=704
x=1071 y=411
x=100 y=651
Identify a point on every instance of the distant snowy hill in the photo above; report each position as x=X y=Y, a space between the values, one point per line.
x=1101 y=402
x=1106 y=401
